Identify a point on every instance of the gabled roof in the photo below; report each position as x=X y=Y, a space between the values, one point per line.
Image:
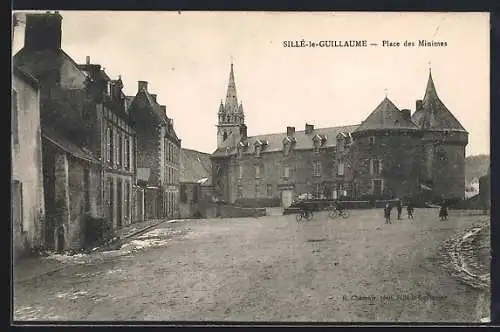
x=433 y=114
x=303 y=141
x=151 y=103
x=41 y=63
x=386 y=116
x=195 y=166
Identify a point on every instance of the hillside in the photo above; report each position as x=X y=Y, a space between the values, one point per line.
x=476 y=166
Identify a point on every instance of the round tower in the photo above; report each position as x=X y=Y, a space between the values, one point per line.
x=443 y=146
x=387 y=148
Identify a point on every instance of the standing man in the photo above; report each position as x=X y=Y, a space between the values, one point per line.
x=387 y=213
x=409 y=209
x=399 y=207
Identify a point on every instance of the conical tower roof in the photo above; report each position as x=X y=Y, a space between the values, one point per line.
x=433 y=114
x=231 y=105
x=387 y=116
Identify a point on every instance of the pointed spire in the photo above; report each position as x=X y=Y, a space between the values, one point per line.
x=221 y=107
x=430 y=91
x=231 y=98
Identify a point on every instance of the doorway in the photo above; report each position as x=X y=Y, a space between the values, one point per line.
x=286 y=197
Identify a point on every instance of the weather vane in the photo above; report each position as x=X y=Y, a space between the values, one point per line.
x=385 y=90
x=429 y=66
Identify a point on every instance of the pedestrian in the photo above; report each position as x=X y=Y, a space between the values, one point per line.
x=409 y=209
x=387 y=213
x=399 y=207
x=443 y=211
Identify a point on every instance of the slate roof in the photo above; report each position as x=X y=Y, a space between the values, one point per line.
x=66 y=145
x=434 y=114
x=195 y=166
x=386 y=116
x=303 y=141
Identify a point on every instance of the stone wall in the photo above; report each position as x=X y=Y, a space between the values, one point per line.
x=26 y=163
x=400 y=163
x=272 y=173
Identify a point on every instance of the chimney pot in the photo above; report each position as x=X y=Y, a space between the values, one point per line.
x=309 y=128
x=142 y=85
x=418 y=104
x=290 y=131
x=87 y=60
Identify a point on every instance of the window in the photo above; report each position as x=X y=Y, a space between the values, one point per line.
x=375 y=167
x=372 y=139
x=120 y=149
x=317 y=190
x=257 y=190
x=340 y=168
x=224 y=136
x=316 y=168
x=15 y=122
x=195 y=195
x=377 y=187
x=239 y=192
x=127 y=200
x=257 y=151
x=240 y=171
x=257 y=171
x=183 y=193
x=286 y=172
x=109 y=89
x=109 y=139
x=126 y=160
x=269 y=190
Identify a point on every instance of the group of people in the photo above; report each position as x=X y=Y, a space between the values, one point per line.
x=399 y=207
x=443 y=211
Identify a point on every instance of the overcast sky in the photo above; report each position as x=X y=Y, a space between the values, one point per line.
x=186 y=57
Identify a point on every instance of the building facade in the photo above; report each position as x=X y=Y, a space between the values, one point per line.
x=116 y=150
x=157 y=154
x=28 y=207
x=72 y=169
x=390 y=154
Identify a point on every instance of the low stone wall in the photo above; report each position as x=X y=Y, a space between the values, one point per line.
x=231 y=211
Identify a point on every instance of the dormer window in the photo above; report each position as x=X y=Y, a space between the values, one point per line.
x=109 y=89
x=257 y=150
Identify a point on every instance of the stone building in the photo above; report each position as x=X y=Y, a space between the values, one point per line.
x=116 y=136
x=157 y=154
x=390 y=154
x=28 y=208
x=195 y=183
x=72 y=169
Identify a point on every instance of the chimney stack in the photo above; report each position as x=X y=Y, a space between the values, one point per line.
x=87 y=60
x=243 y=131
x=309 y=128
x=418 y=105
x=154 y=95
x=290 y=131
x=142 y=85
x=406 y=114
x=43 y=32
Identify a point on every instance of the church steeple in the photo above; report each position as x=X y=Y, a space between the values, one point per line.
x=231 y=98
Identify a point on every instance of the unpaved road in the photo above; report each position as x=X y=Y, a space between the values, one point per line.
x=268 y=269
